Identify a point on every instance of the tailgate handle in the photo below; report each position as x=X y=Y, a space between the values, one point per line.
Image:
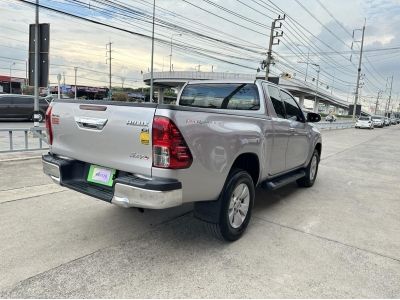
x=91 y=123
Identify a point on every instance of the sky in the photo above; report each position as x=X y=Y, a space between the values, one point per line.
x=219 y=35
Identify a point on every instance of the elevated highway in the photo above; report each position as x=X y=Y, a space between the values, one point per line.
x=299 y=89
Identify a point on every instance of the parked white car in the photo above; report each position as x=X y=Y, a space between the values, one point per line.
x=378 y=121
x=364 y=122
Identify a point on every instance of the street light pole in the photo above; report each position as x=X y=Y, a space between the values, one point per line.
x=152 y=55
x=308 y=59
x=170 y=54
x=76 y=88
x=36 y=72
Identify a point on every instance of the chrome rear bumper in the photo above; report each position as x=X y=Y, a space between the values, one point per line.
x=127 y=191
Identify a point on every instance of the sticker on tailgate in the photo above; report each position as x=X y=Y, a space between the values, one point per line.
x=101 y=175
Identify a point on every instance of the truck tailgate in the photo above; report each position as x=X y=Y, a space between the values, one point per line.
x=112 y=135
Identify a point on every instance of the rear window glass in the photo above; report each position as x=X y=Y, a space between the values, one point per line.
x=235 y=96
x=364 y=118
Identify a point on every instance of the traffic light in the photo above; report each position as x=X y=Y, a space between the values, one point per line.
x=44 y=45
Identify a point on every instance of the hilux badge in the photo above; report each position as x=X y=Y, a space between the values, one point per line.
x=137 y=123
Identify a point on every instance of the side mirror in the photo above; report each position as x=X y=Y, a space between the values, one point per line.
x=313 y=117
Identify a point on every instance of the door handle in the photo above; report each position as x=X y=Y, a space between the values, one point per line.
x=91 y=123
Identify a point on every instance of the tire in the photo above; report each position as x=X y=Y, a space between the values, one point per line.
x=231 y=225
x=311 y=172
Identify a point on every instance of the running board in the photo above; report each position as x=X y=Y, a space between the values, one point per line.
x=280 y=181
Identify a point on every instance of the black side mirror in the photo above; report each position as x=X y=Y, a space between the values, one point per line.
x=313 y=117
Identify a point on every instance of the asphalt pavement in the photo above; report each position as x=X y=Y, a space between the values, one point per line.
x=340 y=238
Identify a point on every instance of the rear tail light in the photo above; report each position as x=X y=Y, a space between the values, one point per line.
x=170 y=150
x=49 y=129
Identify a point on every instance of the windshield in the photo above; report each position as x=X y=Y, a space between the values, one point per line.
x=363 y=119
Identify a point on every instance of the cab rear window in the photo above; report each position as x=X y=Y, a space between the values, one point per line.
x=234 y=96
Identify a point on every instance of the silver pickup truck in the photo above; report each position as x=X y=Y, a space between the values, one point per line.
x=220 y=141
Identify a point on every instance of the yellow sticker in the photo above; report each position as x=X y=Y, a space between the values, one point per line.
x=145 y=137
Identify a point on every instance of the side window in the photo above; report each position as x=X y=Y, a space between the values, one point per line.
x=276 y=101
x=22 y=100
x=245 y=99
x=293 y=112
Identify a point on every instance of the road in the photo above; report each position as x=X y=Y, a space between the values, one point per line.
x=340 y=238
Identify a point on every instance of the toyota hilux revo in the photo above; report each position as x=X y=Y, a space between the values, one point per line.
x=214 y=147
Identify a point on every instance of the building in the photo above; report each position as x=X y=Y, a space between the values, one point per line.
x=16 y=84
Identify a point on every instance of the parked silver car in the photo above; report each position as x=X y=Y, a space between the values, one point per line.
x=221 y=140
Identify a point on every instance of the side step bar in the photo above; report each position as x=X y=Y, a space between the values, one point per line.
x=280 y=181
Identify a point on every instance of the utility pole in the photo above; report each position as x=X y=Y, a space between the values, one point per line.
x=64 y=79
x=58 y=85
x=390 y=97
x=76 y=88
x=358 y=73
x=108 y=51
x=152 y=54
x=267 y=63
x=377 y=100
x=36 y=71
x=122 y=81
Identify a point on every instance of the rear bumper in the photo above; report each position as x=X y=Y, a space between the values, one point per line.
x=128 y=190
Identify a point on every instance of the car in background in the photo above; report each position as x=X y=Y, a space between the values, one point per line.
x=378 y=121
x=393 y=121
x=330 y=118
x=20 y=107
x=387 y=121
x=364 y=122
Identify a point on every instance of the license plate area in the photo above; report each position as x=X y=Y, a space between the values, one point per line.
x=101 y=175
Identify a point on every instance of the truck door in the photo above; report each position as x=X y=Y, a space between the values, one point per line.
x=299 y=139
x=281 y=133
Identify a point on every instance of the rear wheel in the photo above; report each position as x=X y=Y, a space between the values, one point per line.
x=311 y=172
x=237 y=201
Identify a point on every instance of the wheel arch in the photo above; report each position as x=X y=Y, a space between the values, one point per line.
x=249 y=162
x=318 y=147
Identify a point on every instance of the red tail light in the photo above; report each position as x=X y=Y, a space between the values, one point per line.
x=49 y=130
x=170 y=150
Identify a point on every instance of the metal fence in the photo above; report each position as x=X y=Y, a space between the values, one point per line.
x=335 y=125
x=23 y=139
x=30 y=139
